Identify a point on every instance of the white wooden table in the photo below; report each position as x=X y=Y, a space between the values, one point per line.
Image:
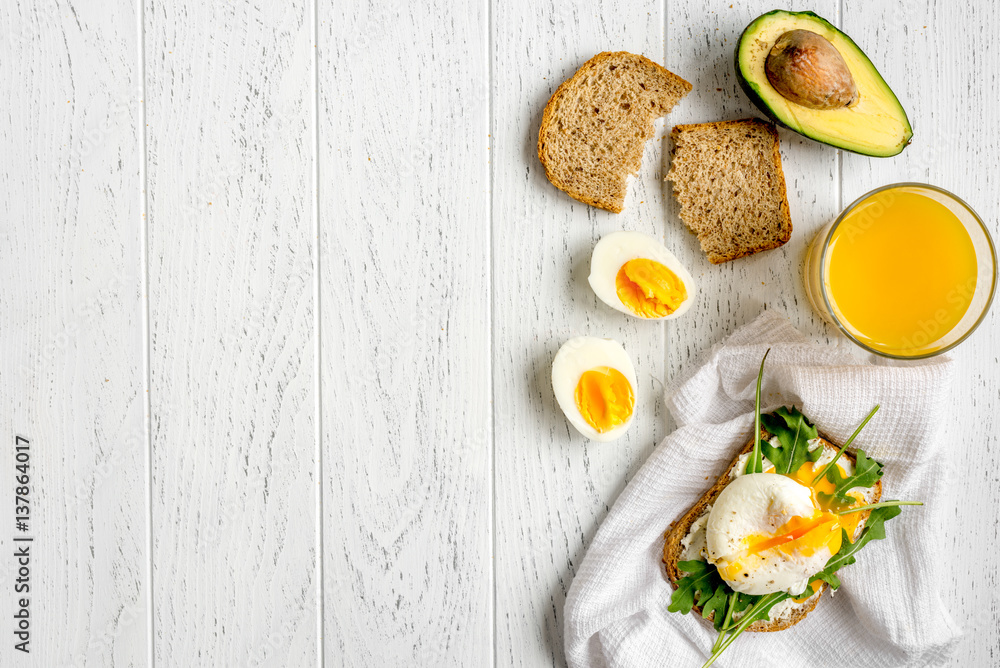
x=280 y=286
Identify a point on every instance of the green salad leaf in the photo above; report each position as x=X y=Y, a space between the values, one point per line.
x=716 y=603
x=867 y=472
x=831 y=465
x=793 y=432
x=701 y=577
x=874 y=530
x=704 y=585
x=755 y=463
x=760 y=609
x=828 y=577
x=743 y=601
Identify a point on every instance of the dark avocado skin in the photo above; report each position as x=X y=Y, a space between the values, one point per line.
x=750 y=92
x=759 y=102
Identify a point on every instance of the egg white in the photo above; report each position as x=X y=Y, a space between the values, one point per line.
x=758 y=504
x=578 y=355
x=617 y=248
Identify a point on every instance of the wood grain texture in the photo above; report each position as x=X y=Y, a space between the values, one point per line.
x=950 y=98
x=552 y=486
x=70 y=330
x=232 y=369
x=405 y=269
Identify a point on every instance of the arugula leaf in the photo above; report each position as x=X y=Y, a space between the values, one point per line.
x=761 y=609
x=830 y=578
x=715 y=603
x=704 y=585
x=872 y=506
x=755 y=463
x=698 y=578
x=850 y=440
x=793 y=432
x=744 y=601
x=735 y=603
x=874 y=530
x=867 y=472
x=719 y=639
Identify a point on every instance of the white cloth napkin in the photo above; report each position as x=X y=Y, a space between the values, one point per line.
x=888 y=611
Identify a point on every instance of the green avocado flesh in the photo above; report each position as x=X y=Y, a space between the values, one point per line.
x=874 y=124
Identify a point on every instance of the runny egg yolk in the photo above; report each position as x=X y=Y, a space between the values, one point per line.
x=802 y=535
x=649 y=289
x=604 y=398
x=822 y=492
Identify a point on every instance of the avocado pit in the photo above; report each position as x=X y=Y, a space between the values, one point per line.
x=807 y=69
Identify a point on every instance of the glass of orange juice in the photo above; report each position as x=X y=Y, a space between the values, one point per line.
x=906 y=271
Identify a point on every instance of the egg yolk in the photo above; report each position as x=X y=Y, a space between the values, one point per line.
x=649 y=289
x=604 y=398
x=806 y=474
x=803 y=535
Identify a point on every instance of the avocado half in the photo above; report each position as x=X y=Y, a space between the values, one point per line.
x=873 y=124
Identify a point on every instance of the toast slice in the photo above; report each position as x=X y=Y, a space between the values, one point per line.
x=596 y=125
x=673 y=547
x=727 y=177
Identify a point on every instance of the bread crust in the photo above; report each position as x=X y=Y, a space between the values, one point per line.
x=551 y=107
x=782 y=192
x=678 y=530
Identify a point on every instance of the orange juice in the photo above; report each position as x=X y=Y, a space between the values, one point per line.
x=901 y=271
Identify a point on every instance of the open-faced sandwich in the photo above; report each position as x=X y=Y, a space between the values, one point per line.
x=759 y=549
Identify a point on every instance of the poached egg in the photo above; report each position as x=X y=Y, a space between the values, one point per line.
x=768 y=532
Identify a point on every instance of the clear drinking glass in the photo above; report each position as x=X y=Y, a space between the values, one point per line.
x=930 y=337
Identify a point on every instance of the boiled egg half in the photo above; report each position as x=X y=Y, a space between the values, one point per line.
x=633 y=273
x=768 y=533
x=595 y=386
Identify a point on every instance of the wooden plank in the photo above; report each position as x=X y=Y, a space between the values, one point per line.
x=552 y=486
x=231 y=333
x=71 y=331
x=700 y=45
x=405 y=267
x=950 y=98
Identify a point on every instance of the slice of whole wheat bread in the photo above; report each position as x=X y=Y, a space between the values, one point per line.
x=673 y=549
x=727 y=177
x=596 y=125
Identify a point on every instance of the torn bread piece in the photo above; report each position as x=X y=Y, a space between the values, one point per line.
x=596 y=125
x=728 y=180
